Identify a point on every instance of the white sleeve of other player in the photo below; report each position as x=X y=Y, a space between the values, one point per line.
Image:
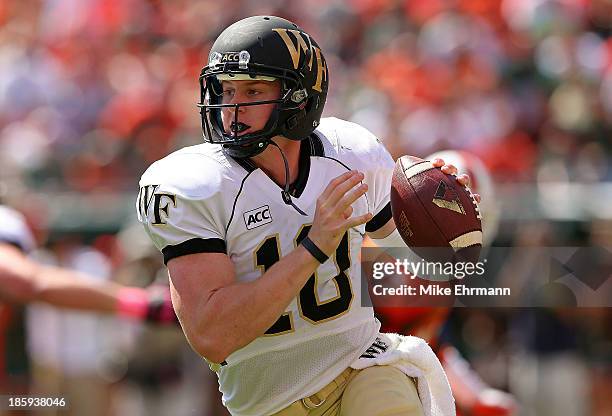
x=14 y=230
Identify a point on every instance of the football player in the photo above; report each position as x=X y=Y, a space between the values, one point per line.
x=261 y=226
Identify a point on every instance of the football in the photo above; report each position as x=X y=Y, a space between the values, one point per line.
x=436 y=216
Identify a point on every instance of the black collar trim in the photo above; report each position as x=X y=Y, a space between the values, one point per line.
x=316 y=145
x=246 y=163
x=309 y=147
x=297 y=187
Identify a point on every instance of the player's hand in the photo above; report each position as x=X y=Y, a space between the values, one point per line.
x=463 y=179
x=152 y=304
x=333 y=214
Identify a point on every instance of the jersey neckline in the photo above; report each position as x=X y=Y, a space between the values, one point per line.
x=313 y=146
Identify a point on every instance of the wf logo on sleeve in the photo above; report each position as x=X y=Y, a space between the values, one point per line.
x=257 y=217
x=161 y=202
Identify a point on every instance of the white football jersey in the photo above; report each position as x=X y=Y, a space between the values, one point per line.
x=14 y=230
x=200 y=200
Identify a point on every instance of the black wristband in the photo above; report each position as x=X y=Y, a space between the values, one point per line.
x=314 y=250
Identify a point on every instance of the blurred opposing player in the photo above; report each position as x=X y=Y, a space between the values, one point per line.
x=472 y=395
x=23 y=281
x=261 y=228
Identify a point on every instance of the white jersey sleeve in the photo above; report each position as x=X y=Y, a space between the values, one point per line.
x=14 y=230
x=357 y=147
x=379 y=174
x=181 y=207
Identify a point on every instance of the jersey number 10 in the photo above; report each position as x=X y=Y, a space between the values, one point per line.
x=309 y=306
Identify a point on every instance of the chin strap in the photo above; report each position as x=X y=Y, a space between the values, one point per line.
x=285 y=192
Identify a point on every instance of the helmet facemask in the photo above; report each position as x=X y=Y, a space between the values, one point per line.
x=211 y=106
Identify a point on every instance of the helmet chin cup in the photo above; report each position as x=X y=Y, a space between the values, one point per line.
x=264 y=48
x=246 y=150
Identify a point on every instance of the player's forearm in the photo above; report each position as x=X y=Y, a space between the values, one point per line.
x=237 y=314
x=67 y=288
x=71 y=289
x=24 y=280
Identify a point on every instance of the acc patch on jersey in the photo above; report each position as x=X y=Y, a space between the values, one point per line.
x=257 y=217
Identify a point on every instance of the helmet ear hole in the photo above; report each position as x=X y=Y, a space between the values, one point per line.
x=292 y=122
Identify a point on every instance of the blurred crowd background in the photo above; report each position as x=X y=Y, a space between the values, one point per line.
x=93 y=91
